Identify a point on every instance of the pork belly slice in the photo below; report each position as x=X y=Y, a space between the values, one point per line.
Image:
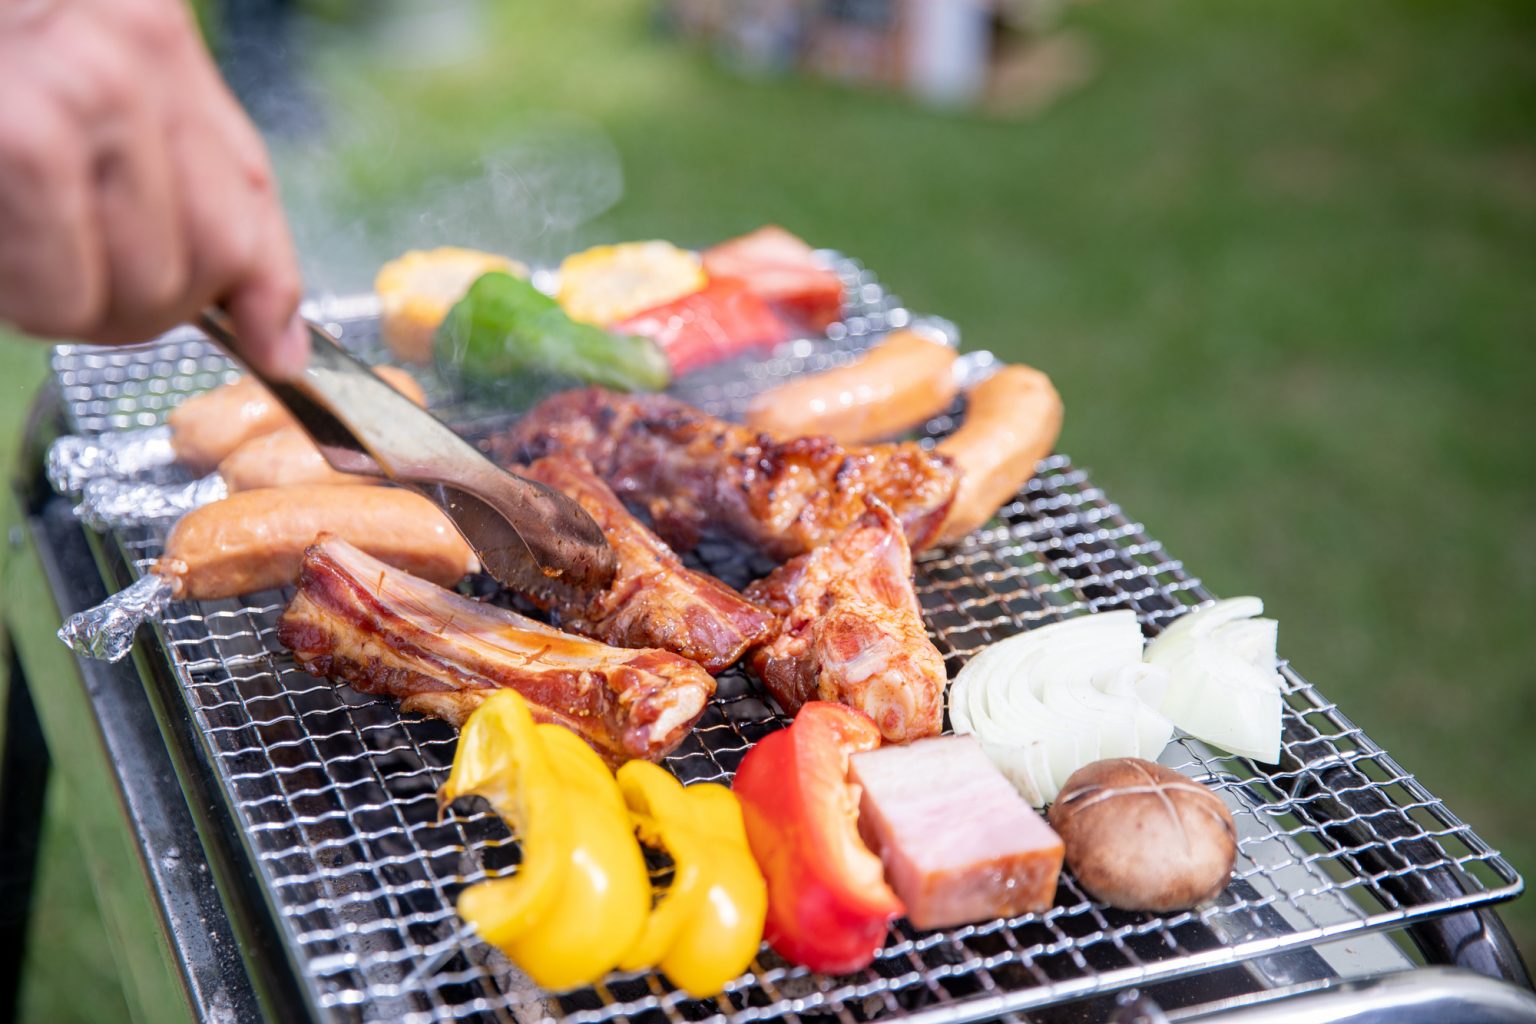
x=654 y=600
x=850 y=630
x=382 y=631
x=958 y=842
x=694 y=472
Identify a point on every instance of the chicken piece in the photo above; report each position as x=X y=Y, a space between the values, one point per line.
x=383 y=631
x=693 y=471
x=959 y=843
x=654 y=601
x=851 y=631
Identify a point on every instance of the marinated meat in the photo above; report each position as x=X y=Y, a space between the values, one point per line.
x=850 y=630
x=693 y=471
x=654 y=601
x=382 y=631
x=959 y=843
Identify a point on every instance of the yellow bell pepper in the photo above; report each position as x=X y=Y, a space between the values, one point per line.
x=581 y=894
x=707 y=926
x=609 y=283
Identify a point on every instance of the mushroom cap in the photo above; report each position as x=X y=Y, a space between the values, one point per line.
x=1139 y=836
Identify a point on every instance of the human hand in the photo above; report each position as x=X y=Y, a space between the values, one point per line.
x=133 y=189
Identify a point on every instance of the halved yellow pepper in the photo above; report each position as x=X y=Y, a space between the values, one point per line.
x=581 y=895
x=608 y=283
x=708 y=925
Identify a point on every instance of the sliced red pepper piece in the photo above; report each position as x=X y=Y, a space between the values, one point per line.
x=783 y=270
x=721 y=320
x=828 y=904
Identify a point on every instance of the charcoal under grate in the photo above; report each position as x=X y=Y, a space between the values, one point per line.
x=335 y=791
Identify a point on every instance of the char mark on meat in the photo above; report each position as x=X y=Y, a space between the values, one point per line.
x=382 y=631
x=692 y=471
x=851 y=630
x=654 y=600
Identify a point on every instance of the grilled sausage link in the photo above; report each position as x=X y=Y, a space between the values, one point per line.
x=1012 y=420
x=207 y=427
x=255 y=540
x=284 y=458
x=895 y=386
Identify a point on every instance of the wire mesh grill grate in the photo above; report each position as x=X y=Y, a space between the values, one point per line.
x=335 y=791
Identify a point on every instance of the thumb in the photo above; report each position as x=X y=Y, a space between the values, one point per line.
x=264 y=306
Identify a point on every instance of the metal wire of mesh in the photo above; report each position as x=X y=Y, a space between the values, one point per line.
x=335 y=791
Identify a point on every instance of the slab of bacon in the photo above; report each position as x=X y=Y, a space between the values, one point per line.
x=654 y=600
x=382 y=631
x=851 y=631
x=693 y=471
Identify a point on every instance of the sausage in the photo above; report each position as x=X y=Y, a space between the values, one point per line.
x=255 y=540
x=893 y=387
x=207 y=427
x=1012 y=420
x=283 y=458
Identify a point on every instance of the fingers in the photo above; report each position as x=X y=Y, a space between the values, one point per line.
x=243 y=255
x=264 y=306
x=51 y=271
x=142 y=242
x=135 y=191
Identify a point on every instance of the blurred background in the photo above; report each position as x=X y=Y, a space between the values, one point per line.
x=1279 y=258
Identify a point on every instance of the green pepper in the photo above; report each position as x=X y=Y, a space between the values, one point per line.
x=505 y=335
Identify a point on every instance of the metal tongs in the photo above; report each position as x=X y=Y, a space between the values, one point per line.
x=523 y=532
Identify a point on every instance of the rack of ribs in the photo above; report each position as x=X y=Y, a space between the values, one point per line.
x=691 y=471
x=382 y=631
x=851 y=631
x=654 y=600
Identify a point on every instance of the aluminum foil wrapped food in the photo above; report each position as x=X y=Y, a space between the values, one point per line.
x=74 y=460
x=109 y=503
x=255 y=540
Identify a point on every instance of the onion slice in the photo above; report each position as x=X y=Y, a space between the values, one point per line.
x=1224 y=683
x=1047 y=701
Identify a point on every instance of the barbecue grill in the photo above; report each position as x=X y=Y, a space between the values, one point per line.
x=289 y=833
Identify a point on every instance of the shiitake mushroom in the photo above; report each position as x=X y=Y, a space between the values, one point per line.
x=1139 y=836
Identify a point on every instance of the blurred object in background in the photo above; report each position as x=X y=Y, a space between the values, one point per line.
x=429 y=35
x=1008 y=57
x=255 y=42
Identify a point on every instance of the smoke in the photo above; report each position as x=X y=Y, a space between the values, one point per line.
x=527 y=197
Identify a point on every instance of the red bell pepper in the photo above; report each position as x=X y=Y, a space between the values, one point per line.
x=783 y=270
x=722 y=319
x=828 y=904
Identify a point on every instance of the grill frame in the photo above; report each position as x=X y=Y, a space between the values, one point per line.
x=1357 y=843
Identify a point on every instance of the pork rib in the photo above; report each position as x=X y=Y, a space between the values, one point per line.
x=382 y=631
x=654 y=600
x=851 y=631
x=691 y=470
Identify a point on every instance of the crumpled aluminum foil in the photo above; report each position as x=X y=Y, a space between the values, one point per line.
x=108 y=503
x=72 y=460
x=106 y=631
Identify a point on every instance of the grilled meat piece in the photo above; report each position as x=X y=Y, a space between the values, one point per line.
x=654 y=600
x=851 y=631
x=382 y=631
x=691 y=471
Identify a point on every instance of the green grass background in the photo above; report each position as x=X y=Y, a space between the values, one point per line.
x=1279 y=258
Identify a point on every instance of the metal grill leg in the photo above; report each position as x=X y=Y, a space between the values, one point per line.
x=23 y=785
